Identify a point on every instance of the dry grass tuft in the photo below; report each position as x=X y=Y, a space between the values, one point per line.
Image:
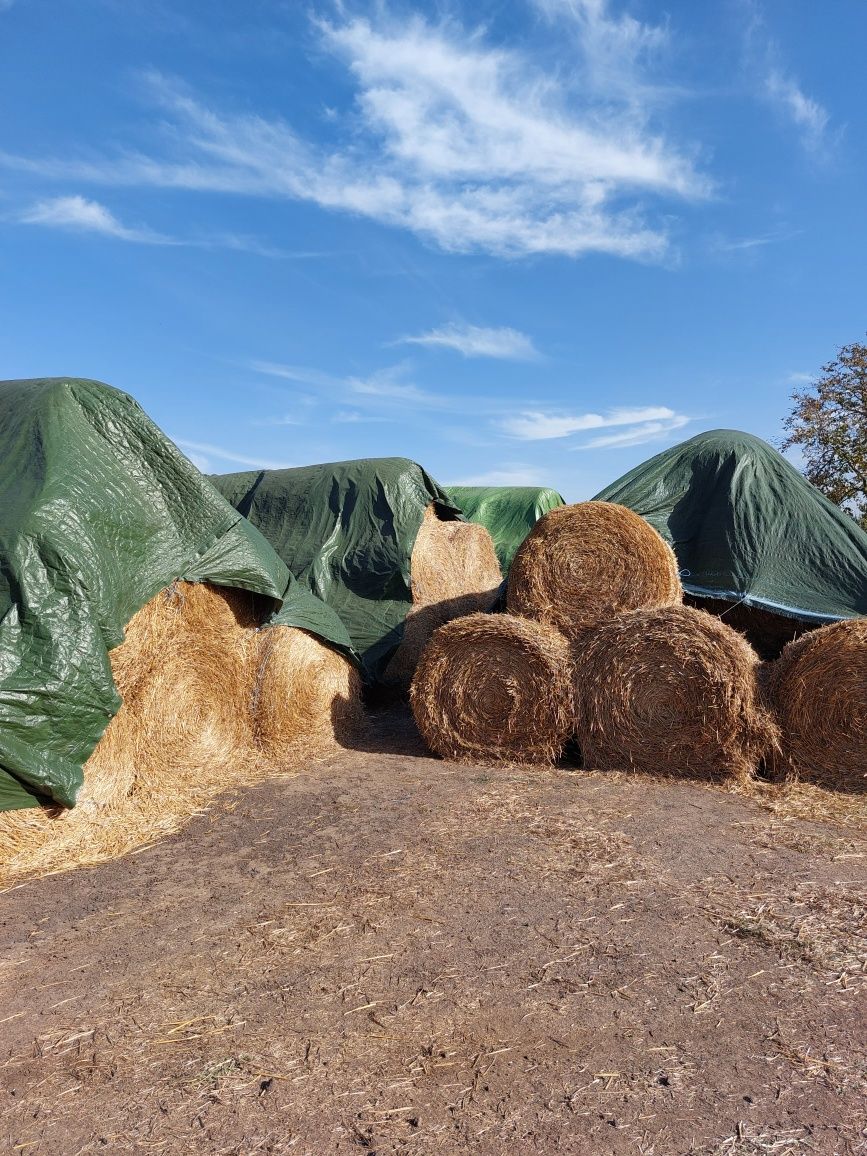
x=818 y=688
x=494 y=688
x=454 y=572
x=196 y=689
x=583 y=563
x=807 y=801
x=671 y=689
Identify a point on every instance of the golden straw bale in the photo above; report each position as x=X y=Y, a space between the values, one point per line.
x=670 y=691
x=454 y=572
x=818 y=688
x=306 y=697
x=582 y=563
x=494 y=688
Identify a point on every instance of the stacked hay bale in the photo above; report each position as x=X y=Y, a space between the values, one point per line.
x=818 y=688
x=647 y=683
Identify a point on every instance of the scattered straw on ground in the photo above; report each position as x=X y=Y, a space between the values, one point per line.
x=491 y=688
x=582 y=563
x=671 y=690
x=818 y=688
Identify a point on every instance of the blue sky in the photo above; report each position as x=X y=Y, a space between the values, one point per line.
x=527 y=242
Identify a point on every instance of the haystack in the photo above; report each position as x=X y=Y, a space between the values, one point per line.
x=818 y=688
x=582 y=563
x=209 y=702
x=493 y=688
x=669 y=691
x=454 y=572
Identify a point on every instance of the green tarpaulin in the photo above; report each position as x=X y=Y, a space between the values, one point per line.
x=347 y=529
x=98 y=512
x=508 y=513
x=747 y=527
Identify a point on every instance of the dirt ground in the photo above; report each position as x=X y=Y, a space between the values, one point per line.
x=391 y=954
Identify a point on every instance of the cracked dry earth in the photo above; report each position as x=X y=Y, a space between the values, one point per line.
x=391 y=954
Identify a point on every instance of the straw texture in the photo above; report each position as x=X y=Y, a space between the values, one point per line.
x=582 y=563
x=670 y=691
x=493 y=688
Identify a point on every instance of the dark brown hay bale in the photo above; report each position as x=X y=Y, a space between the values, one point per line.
x=818 y=688
x=306 y=697
x=454 y=572
x=493 y=688
x=582 y=563
x=669 y=691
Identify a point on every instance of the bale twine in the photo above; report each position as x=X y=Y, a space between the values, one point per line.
x=818 y=688
x=187 y=672
x=582 y=563
x=670 y=691
x=493 y=688
x=454 y=572
x=306 y=697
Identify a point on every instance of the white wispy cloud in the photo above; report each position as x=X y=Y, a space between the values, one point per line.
x=478 y=341
x=508 y=475
x=648 y=431
x=82 y=215
x=470 y=146
x=225 y=455
x=540 y=425
x=805 y=113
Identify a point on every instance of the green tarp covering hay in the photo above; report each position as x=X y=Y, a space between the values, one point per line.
x=748 y=529
x=347 y=529
x=509 y=513
x=99 y=511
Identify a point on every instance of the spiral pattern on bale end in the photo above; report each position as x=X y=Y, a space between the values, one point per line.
x=672 y=691
x=582 y=563
x=493 y=688
x=818 y=688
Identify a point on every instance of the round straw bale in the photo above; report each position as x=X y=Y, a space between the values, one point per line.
x=454 y=572
x=306 y=696
x=669 y=691
x=818 y=688
x=582 y=563
x=493 y=688
x=182 y=734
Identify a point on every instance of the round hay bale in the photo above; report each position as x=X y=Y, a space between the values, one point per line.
x=493 y=688
x=671 y=691
x=454 y=572
x=306 y=697
x=818 y=688
x=582 y=563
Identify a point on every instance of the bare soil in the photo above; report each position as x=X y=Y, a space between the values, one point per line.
x=391 y=954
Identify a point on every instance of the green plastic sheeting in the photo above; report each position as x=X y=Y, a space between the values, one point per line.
x=347 y=529
x=508 y=513
x=99 y=511
x=746 y=526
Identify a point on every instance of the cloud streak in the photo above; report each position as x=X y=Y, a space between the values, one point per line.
x=541 y=426
x=477 y=341
x=225 y=455
x=470 y=146
x=81 y=215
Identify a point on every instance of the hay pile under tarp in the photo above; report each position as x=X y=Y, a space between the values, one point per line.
x=508 y=513
x=818 y=688
x=585 y=562
x=670 y=691
x=99 y=512
x=454 y=572
x=349 y=531
x=750 y=532
x=493 y=688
